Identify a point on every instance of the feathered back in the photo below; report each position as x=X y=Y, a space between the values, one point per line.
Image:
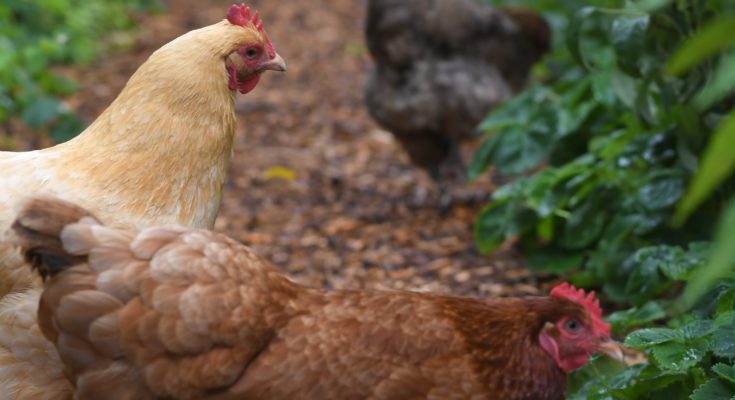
x=147 y=314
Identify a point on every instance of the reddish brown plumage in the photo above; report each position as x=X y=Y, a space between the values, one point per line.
x=502 y=338
x=185 y=313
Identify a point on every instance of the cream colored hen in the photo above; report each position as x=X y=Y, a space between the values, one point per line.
x=157 y=155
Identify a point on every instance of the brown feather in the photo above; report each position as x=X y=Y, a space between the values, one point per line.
x=38 y=227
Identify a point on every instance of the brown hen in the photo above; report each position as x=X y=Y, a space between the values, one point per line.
x=173 y=312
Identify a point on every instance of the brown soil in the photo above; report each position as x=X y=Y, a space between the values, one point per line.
x=315 y=186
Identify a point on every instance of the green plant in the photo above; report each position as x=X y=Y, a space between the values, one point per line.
x=632 y=115
x=35 y=34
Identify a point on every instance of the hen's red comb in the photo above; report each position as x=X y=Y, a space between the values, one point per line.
x=242 y=16
x=588 y=301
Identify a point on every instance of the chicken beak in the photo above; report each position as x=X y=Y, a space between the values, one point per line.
x=274 y=64
x=611 y=349
x=620 y=353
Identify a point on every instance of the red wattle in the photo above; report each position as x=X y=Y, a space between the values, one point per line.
x=249 y=84
x=232 y=80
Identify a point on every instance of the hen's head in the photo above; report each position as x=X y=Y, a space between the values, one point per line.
x=576 y=330
x=254 y=53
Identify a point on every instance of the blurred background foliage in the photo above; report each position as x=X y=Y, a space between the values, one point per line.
x=622 y=154
x=37 y=34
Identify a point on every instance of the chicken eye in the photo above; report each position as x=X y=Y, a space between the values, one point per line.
x=251 y=53
x=572 y=325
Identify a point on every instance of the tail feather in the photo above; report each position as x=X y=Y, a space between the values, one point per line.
x=38 y=227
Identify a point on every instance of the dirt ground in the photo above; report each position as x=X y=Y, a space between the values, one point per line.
x=315 y=186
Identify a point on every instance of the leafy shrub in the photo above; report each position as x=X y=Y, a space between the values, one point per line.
x=35 y=34
x=633 y=124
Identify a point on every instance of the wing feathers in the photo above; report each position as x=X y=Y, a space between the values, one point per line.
x=149 y=241
x=113 y=282
x=119 y=381
x=176 y=311
x=104 y=334
x=77 y=310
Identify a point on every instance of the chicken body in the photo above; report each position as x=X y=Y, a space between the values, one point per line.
x=172 y=312
x=157 y=155
x=440 y=66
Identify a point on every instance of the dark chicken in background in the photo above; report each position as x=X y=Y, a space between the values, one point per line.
x=440 y=67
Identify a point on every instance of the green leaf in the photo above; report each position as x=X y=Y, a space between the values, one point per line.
x=628 y=36
x=721 y=84
x=720 y=263
x=492 y=225
x=586 y=223
x=625 y=88
x=539 y=190
x=667 y=259
x=644 y=282
x=482 y=157
x=723 y=340
x=673 y=261
x=571 y=118
x=697 y=329
x=649 y=5
x=64 y=86
x=34 y=59
x=501 y=118
x=517 y=111
x=676 y=356
x=713 y=38
x=651 y=336
x=584 y=383
x=545 y=228
x=603 y=90
x=713 y=389
x=82 y=50
x=717 y=164
x=661 y=192
x=725 y=301
x=725 y=318
x=575 y=108
x=636 y=316
x=67 y=127
x=574 y=33
x=499 y=221
x=611 y=146
x=725 y=371
x=514 y=190
x=519 y=147
x=697 y=253
x=650 y=383
x=41 y=112
x=553 y=260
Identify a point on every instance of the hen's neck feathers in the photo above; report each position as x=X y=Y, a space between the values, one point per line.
x=163 y=146
x=502 y=335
